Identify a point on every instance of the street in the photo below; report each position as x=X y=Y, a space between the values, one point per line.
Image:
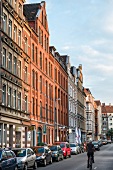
x=103 y=161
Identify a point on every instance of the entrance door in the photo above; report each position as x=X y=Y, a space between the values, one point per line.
x=39 y=135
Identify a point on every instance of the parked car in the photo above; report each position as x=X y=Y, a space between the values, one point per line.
x=75 y=149
x=43 y=155
x=57 y=153
x=109 y=141
x=96 y=145
x=8 y=160
x=65 y=147
x=100 y=143
x=104 y=141
x=26 y=158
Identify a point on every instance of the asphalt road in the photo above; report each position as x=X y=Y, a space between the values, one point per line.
x=103 y=161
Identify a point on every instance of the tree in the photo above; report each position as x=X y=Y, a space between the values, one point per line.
x=109 y=133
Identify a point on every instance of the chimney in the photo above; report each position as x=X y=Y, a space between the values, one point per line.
x=103 y=104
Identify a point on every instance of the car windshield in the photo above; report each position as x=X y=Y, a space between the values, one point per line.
x=40 y=150
x=53 y=148
x=20 y=152
x=72 y=145
x=95 y=143
x=62 y=145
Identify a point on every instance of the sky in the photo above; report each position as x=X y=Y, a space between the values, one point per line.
x=83 y=29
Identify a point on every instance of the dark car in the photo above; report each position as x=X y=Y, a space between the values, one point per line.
x=96 y=145
x=8 y=160
x=26 y=158
x=65 y=147
x=57 y=152
x=43 y=155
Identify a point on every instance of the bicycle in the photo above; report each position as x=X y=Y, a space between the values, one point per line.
x=90 y=162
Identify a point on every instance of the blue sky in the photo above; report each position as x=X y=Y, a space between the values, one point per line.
x=83 y=29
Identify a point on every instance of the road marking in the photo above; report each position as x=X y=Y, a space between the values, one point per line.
x=95 y=168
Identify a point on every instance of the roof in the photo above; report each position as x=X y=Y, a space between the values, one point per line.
x=98 y=102
x=30 y=11
x=107 y=109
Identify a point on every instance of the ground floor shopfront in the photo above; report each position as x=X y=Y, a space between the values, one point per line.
x=13 y=133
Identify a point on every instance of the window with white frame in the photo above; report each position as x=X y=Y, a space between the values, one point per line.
x=4 y=22
x=4 y=58
x=10 y=62
x=10 y=28
x=19 y=100
x=4 y=94
x=14 y=98
x=9 y=96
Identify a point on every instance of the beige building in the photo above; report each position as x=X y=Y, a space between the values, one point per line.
x=81 y=104
x=90 y=114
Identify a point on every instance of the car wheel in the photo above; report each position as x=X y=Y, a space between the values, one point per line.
x=66 y=156
x=45 y=162
x=62 y=157
x=25 y=167
x=35 y=165
x=51 y=161
x=70 y=155
x=58 y=159
x=16 y=168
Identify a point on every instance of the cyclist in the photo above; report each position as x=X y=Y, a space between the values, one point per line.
x=90 y=151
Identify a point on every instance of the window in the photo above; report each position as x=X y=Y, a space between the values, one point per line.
x=49 y=69
x=36 y=56
x=4 y=22
x=15 y=65
x=10 y=62
x=25 y=75
x=15 y=5
x=4 y=94
x=33 y=78
x=40 y=60
x=19 y=100
x=4 y=58
x=14 y=98
x=46 y=88
x=20 y=10
x=9 y=96
x=26 y=46
x=26 y=104
x=15 y=33
x=40 y=84
x=46 y=65
x=40 y=110
x=46 y=113
x=32 y=52
x=36 y=107
x=19 y=68
x=36 y=81
x=10 y=28
x=33 y=106
x=19 y=38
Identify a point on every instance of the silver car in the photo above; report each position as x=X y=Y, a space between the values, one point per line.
x=26 y=158
x=75 y=149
